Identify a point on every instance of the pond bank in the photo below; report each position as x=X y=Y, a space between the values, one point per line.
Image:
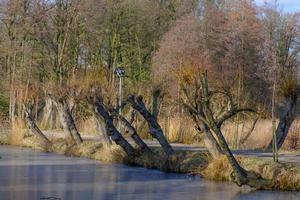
x=285 y=175
x=27 y=174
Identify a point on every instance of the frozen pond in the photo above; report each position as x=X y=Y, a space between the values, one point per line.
x=31 y=175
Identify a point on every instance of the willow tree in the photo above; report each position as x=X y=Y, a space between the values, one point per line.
x=66 y=118
x=154 y=128
x=213 y=107
x=28 y=107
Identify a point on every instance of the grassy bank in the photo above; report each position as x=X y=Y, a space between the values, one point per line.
x=286 y=176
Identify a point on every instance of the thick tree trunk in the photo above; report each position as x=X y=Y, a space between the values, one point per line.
x=155 y=102
x=115 y=135
x=67 y=120
x=209 y=140
x=240 y=176
x=47 y=120
x=154 y=127
x=133 y=134
x=285 y=122
x=103 y=132
x=235 y=165
x=34 y=128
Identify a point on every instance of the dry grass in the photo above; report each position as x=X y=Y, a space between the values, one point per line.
x=259 y=138
x=87 y=126
x=218 y=170
x=21 y=136
x=180 y=130
x=88 y=149
x=285 y=175
x=181 y=162
x=18 y=132
x=3 y=139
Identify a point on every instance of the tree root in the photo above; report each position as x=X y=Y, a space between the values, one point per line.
x=253 y=180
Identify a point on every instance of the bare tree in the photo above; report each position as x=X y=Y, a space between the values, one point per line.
x=67 y=119
x=214 y=118
x=32 y=125
x=155 y=130
x=115 y=135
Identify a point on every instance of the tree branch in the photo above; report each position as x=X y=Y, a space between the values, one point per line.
x=230 y=113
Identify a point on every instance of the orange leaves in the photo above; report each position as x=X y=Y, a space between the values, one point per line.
x=288 y=86
x=190 y=71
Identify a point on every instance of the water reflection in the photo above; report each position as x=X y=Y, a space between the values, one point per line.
x=30 y=175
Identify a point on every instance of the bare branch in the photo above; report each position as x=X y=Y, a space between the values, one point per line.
x=230 y=113
x=250 y=131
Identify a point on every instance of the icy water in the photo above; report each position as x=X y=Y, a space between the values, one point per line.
x=31 y=175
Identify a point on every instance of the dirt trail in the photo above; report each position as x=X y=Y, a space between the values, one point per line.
x=283 y=157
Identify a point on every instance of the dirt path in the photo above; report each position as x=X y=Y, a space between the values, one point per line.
x=283 y=157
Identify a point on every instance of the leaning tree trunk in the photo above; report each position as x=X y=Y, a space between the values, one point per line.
x=154 y=128
x=209 y=140
x=33 y=127
x=285 y=122
x=102 y=132
x=239 y=175
x=248 y=134
x=156 y=102
x=133 y=134
x=115 y=135
x=67 y=121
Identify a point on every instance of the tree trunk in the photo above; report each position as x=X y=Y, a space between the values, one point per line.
x=34 y=128
x=155 y=102
x=209 y=140
x=103 y=132
x=154 y=127
x=240 y=176
x=47 y=113
x=133 y=134
x=67 y=120
x=115 y=135
x=285 y=122
x=248 y=134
